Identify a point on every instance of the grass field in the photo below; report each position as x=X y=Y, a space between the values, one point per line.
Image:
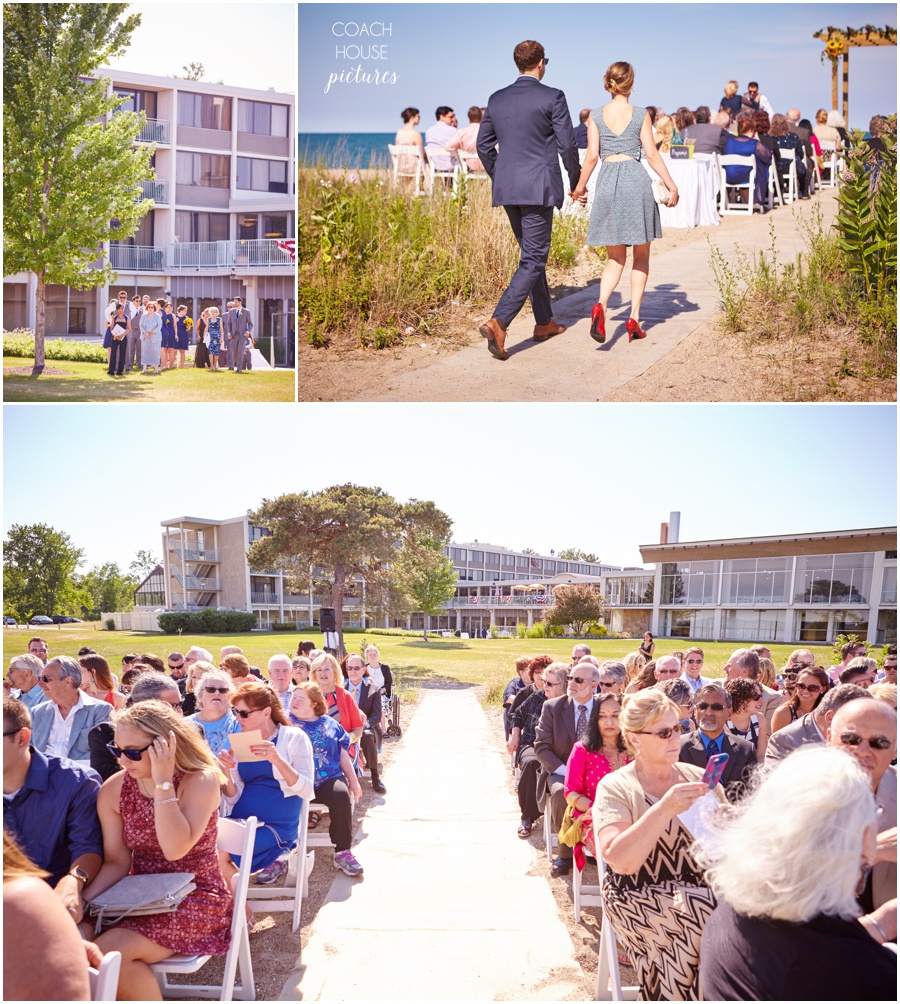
x=412 y=660
x=86 y=381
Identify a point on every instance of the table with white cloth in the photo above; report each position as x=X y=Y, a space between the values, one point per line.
x=697 y=180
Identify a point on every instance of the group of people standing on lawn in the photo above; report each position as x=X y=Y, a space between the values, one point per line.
x=153 y=335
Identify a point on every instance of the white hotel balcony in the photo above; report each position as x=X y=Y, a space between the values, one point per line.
x=236 y=257
x=157 y=189
x=155 y=131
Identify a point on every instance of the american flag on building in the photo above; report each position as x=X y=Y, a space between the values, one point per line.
x=288 y=245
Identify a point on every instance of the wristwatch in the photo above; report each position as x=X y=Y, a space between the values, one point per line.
x=164 y=786
x=80 y=874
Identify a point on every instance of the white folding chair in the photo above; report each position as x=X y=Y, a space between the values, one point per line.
x=236 y=836
x=775 y=191
x=829 y=162
x=105 y=980
x=407 y=162
x=551 y=839
x=290 y=896
x=726 y=206
x=789 y=184
x=433 y=172
x=464 y=168
x=584 y=895
x=609 y=982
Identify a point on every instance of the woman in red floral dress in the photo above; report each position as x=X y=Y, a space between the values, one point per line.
x=159 y=814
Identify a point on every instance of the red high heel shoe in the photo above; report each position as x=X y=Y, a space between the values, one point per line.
x=634 y=329
x=598 y=323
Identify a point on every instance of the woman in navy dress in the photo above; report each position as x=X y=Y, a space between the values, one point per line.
x=183 y=325
x=273 y=786
x=107 y=337
x=168 y=336
x=624 y=212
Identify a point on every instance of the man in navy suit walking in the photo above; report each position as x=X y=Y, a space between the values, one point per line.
x=532 y=125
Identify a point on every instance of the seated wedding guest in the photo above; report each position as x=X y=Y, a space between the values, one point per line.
x=633 y=663
x=129 y=678
x=368 y=700
x=665 y=134
x=692 y=669
x=812 y=727
x=305 y=647
x=877 y=126
x=60 y=725
x=787 y=140
x=335 y=779
x=867 y=730
x=467 y=137
x=885 y=692
x=654 y=894
x=811 y=686
x=326 y=671
x=888 y=672
x=300 y=667
x=712 y=709
x=779 y=931
x=612 y=676
x=32 y=915
x=536 y=667
x=159 y=814
x=767 y=676
x=408 y=135
x=273 y=787
x=438 y=135
x=823 y=131
x=379 y=672
x=197 y=654
x=747 y=719
x=681 y=694
x=745 y=144
x=147 y=660
x=237 y=667
x=646 y=677
x=50 y=806
x=601 y=751
x=195 y=670
x=860 y=671
x=580 y=131
x=213 y=691
x=518 y=683
x=97 y=681
x=551 y=682
x=761 y=124
x=280 y=678
x=731 y=103
x=23 y=680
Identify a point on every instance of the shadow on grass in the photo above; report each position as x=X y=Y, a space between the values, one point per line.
x=428 y=679
x=426 y=646
x=50 y=388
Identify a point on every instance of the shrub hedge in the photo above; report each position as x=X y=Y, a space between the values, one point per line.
x=208 y=622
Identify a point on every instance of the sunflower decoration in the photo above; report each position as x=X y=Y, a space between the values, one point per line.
x=834 y=47
x=188 y=323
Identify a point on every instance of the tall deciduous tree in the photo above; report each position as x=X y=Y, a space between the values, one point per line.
x=351 y=530
x=70 y=173
x=576 y=554
x=424 y=575
x=39 y=570
x=576 y=606
x=143 y=564
x=107 y=589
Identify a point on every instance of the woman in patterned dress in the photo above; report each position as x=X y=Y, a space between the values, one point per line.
x=151 y=338
x=158 y=814
x=214 y=336
x=654 y=894
x=624 y=212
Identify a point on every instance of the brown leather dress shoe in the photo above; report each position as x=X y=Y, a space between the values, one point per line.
x=544 y=331
x=495 y=334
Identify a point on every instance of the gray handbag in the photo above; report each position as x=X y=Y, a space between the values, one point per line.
x=137 y=895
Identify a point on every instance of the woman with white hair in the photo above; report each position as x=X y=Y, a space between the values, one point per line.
x=214 y=692
x=785 y=927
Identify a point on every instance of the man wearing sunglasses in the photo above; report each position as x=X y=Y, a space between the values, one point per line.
x=849 y=651
x=712 y=708
x=62 y=723
x=50 y=806
x=867 y=730
x=692 y=669
x=810 y=728
x=563 y=722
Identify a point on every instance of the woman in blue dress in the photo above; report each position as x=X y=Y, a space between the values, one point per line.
x=271 y=787
x=213 y=335
x=151 y=337
x=183 y=325
x=168 y=336
x=624 y=212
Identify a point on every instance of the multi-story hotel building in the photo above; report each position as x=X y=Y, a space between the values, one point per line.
x=793 y=588
x=224 y=205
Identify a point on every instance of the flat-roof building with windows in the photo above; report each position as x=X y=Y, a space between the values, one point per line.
x=223 y=219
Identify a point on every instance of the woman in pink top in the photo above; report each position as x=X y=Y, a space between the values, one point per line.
x=601 y=752
x=97 y=680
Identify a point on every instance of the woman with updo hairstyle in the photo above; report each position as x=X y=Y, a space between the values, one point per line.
x=410 y=136
x=624 y=213
x=654 y=895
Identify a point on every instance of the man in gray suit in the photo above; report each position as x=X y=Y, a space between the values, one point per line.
x=563 y=721
x=813 y=727
x=238 y=326
x=532 y=125
x=61 y=724
x=712 y=706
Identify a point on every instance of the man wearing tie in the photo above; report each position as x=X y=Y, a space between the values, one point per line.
x=712 y=707
x=368 y=698
x=238 y=326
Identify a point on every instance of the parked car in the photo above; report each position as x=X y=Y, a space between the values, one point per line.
x=65 y=619
x=10 y=622
x=41 y=619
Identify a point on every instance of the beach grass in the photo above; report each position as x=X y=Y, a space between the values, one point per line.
x=89 y=381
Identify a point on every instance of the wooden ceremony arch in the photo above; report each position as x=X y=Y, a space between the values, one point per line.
x=850 y=38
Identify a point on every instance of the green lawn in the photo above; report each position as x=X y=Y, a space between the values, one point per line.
x=83 y=381
x=412 y=659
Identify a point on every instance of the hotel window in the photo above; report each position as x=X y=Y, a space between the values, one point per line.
x=509 y=561
x=889 y=585
x=753 y=625
x=833 y=578
x=262 y=175
x=687 y=624
x=492 y=559
x=137 y=101
x=202 y=170
x=690 y=582
x=262 y=118
x=203 y=227
x=476 y=557
x=752 y=580
x=204 y=111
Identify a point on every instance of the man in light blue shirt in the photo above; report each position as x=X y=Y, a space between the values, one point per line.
x=22 y=680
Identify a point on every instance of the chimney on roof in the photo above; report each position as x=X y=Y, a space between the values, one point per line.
x=674 y=527
x=664 y=533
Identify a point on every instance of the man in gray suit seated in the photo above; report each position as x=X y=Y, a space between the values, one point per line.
x=707 y=138
x=61 y=724
x=813 y=727
x=532 y=125
x=712 y=708
x=238 y=325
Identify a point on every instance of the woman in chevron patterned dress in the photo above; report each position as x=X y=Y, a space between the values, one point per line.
x=653 y=892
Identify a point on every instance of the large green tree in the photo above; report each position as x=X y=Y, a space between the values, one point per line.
x=39 y=571
x=575 y=606
x=71 y=175
x=107 y=589
x=576 y=554
x=351 y=530
x=424 y=575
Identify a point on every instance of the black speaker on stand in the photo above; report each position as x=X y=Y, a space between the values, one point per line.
x=328 y=627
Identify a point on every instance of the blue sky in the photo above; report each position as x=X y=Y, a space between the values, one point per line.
x=597 y=477
x=458 y=54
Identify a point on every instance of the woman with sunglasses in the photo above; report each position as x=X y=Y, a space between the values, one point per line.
x=549 y=682
x=213 y=692
x=601 y=752
x=326 y=671
x=271 y=787
x=654 y=895
x=811 y=686
x=158 y=814
x=747 y=719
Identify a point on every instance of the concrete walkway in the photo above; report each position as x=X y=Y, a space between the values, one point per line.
x=450 y=907
x=681 y=295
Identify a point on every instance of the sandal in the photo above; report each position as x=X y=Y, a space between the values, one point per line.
x=314 y=818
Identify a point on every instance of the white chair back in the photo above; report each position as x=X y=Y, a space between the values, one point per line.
x=829 y=163
x=407 y=162
x=789 y=184
x=105 y=980
x=300 y=862
x=726 y=206
x=609 y=982
x=433 y=152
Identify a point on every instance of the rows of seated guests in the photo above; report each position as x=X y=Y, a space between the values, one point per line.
x=102 y=779
x=615 y=752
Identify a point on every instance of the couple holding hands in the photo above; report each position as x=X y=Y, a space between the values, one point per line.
x=531 y=124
